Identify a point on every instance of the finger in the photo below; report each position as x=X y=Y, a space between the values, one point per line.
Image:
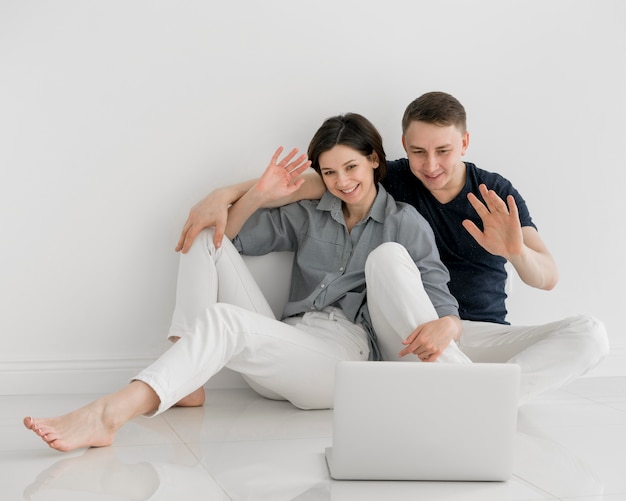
x=495 y=203
x=512 y=207
x=411 y=337
x=218 y=236
x=484 y=191
x=404 y=352
x=471 y=227
x=287 y=158
x=415 y=347
x=183 y=236
x=295 y=163
x=479 y=207
x=419 y=351
x=493 y=200
x=475 y=232
x=220 y=229
x=407 y=349
x=276 y=154
x=190 y=236
x=300 y=169
x=432 y=357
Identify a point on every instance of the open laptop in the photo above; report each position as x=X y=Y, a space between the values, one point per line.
x=424 y=421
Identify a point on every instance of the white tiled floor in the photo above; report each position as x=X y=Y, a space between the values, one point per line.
x=571 y=445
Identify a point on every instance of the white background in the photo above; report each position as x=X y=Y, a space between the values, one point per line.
x=116 y=116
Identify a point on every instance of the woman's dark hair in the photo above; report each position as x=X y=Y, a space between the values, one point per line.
x=351 y=130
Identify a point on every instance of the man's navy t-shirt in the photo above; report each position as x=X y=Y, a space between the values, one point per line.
x=477 y=278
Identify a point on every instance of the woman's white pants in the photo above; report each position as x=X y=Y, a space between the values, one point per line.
x=222 y=319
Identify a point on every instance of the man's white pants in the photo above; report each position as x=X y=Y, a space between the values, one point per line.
x=223 y=320
x=549 y=355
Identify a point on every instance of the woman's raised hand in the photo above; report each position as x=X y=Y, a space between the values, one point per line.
x=281 y=177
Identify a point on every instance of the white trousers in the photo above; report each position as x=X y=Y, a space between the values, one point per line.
x=222 y=320
x=549 y=355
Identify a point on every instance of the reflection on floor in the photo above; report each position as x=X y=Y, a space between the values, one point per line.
x=571 y=445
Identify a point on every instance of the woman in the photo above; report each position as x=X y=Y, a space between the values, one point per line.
x=347 y=239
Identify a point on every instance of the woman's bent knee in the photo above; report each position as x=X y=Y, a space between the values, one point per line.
x=386 y=251
x=386 y=256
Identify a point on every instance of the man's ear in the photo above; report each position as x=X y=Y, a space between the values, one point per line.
x=404 y=143
x=465 y=142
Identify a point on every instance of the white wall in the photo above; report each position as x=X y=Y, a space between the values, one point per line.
x=116 y=116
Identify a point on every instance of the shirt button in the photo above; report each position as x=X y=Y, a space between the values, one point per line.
x=322 y=286
x=341 y=269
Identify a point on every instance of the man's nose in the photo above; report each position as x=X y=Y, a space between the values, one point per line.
x=431 y=163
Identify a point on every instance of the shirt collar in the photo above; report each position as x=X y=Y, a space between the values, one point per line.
x=331 y=203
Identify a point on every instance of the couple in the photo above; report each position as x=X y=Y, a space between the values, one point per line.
x=354 y=235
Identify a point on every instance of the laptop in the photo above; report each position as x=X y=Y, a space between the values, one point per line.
x=424 y=421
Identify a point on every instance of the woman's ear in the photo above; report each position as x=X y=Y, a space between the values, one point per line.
x=374 y=160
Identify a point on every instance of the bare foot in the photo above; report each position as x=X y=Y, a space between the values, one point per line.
x=85 y=427
x=194 y=399
x=95 y=424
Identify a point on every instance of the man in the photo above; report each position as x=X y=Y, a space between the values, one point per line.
x=480 y=222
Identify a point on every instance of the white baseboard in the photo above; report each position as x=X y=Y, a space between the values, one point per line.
x=30 y=377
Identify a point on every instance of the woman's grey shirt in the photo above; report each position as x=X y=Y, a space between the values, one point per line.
x=329 y=261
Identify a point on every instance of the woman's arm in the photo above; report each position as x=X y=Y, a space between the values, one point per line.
x=212 y=210
x=279 y=181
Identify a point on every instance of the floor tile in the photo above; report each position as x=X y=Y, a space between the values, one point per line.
x=610 y=391
x=165 y=472
x=554 y=468
x=276 y=470
x=575 y=461
x=244 y=415
x=564 y=409
x=606 y=497
x=570 y=446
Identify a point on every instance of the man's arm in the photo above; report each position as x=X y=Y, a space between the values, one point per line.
x=535 y=265
x=212 y=210
x=504 y=236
